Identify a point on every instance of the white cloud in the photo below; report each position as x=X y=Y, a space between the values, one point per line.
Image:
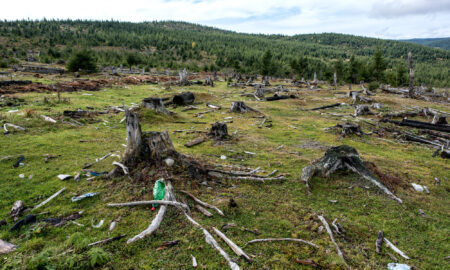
x=385 y=19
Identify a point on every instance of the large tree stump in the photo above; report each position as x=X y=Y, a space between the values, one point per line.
x=240 y=107
x=155 y=104
x=342 y=157
x=219 y=131
x=362 y=110
x=183 y=99
x=183 y=77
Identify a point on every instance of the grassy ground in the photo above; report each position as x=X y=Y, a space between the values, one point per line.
x=281 y=209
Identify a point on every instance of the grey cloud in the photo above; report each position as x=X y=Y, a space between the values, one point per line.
x=401 y=8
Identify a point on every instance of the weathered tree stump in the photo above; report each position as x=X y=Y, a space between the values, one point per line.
x=183 y=77
x=342 y=157
x=240 y=107
x=439 y=120
x=209 y=81
x=259 y=93
x=219 y=131
x=183 y=99
x=155 y=104
x=362 y=110
x=349 y=129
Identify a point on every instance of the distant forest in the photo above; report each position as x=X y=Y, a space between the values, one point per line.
x=443 y=43
x=178 y=45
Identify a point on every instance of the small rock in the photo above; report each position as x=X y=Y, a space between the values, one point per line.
x=64 y=176
x=223 y=157
x=169 y=162
x=422 y=213
x=333 y=201
x=22 y=175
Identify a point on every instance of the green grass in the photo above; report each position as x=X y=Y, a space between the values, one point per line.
x=281 y=209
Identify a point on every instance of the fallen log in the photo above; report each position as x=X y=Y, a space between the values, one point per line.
x=236 y=249
x=195 y=141
x=328 y=106
x=279 y=97
x=419 y=124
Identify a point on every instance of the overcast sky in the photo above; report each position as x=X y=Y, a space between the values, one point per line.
x=376 y=18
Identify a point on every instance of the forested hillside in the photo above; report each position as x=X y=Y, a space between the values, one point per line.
x=443 y=43
x=177 y=45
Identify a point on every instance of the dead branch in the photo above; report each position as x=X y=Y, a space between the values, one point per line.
x=394 y=248
x=232 y=245
x=156 y=222
x=379 y=242
x=330 y=233
x=107 y=240
x=250 y=178
x=49 y=199
x=283 y=239
x=203 y=211
x=96 y=161
x=137 y=203
x=203 y=203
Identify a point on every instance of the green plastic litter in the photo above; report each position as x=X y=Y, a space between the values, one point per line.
x=159 y=190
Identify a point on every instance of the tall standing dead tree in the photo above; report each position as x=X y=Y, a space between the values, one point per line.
x=412 y=93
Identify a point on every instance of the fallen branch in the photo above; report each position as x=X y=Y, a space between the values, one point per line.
x=124 y=168
x=107 y=240
x=203 y=211
x=232 y=245
x=394 y=248
x=379 y=242
x=48 y=119
x=211 y=241
x=96 y=161
x=330 y=233
x=49 y=199
x=156 y=222
x=203 y=203
x=282 y=239
x=251 y=178
x=137 y=203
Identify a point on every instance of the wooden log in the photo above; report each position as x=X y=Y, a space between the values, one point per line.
x=195 y=141
x=236 y=249
x=330 y=233
x=283 y=239
x=202 y=203
x=48 y=119
x=49 y=199
x=328 y=106
x=419 y=124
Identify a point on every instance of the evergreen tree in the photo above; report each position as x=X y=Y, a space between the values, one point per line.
x=83 y=60
x=379 y=65
x=266 y=63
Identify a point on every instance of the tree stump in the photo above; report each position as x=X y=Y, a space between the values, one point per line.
x=362 y=110
x=349 y=129
x=439 y=120
x=183 y=77
x=155 y=104
x=411 y=93
x=259 y=93
x=183 y=99
x=219 y=131
x=240 y=107
x=208 y=81
x=342 y=157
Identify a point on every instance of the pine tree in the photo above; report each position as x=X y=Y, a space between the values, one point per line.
x=379 y=65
